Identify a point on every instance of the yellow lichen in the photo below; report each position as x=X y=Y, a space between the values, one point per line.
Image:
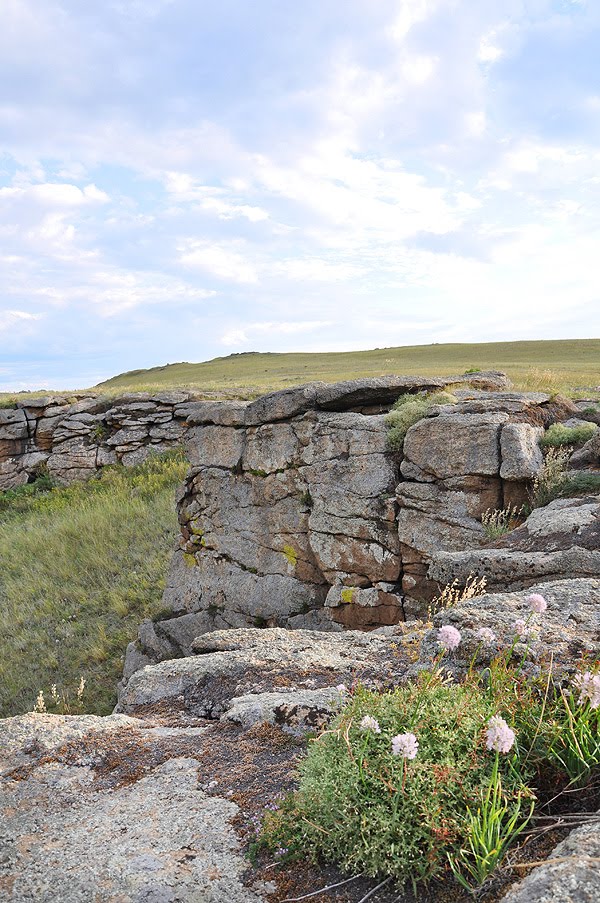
x=291 y=555
x=347 y=594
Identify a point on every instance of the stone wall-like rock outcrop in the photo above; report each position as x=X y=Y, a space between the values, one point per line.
x=71 y=438
x=295 y=512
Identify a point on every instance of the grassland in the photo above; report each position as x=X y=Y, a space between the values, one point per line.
x=80 y=567
x=568 y=366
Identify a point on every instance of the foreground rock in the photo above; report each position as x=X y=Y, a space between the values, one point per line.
x=159 y=808
x=568 y=630
x=76 y=827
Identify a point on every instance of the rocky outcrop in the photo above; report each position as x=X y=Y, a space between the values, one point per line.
x=71 y=438
x=558 y=540
x=296 y=512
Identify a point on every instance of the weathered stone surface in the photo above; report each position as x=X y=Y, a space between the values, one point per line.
x=219 y=413
x=233 y=663
x=569 y=628
x=571 y=874
x=521 y=454
x=295 y=711
x=559 y=540
x=73 y=459
x=11 y=474
x=453 y=445
x=588 y=456
x=72 y=831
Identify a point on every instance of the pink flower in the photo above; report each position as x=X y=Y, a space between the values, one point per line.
x=537 y=603
x=405 y=745
x=486 y=635
x=521 y=629
x=448 y=637
x=499 y=736
x=369 y=723
x=589 y=688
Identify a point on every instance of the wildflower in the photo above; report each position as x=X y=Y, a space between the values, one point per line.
x=448 y=637
x=500 y=736
x=342 y=688
x=537 y=603
x=525 y=631
x=486 y=635
x=405 y=745
x=369 y=723
x=589 y=688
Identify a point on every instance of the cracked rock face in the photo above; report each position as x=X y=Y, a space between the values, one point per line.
x=296 y=513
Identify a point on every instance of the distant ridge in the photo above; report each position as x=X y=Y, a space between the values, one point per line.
x=567 y=365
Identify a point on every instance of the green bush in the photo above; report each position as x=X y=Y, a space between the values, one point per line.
x=558 y=435
x=407 y=411
x=380 y=814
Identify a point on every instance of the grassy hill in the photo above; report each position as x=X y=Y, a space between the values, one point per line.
x=80 y=567
x=570 y=365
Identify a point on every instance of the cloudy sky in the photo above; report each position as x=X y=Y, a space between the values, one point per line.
x=181 y=179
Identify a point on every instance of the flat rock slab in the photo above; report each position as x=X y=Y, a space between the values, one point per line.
x=73 y=832
x=233 y=663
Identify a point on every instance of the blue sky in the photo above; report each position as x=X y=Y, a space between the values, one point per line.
x=182 y=179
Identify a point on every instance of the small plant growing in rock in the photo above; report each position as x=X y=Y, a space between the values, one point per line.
x=550 y=481
x=61 y=702
x=407 y=411
x=499 y=521
x=455 y=592
x=558 y=435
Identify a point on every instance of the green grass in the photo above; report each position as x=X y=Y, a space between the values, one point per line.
x=570 y=366
x=558 y=434
x=563 y=366
x=80 y=567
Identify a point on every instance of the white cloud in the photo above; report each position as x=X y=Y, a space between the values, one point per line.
x=245 y=334
x=15 y=319
x=218 y=260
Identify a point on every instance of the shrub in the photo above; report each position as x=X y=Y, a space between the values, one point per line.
x=554 y=481
x=558 y=435
x=371 y=811
x=407 y=411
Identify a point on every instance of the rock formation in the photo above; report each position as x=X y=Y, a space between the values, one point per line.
x=296 y=512
x=71 y=438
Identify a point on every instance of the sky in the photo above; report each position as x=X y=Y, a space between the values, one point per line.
x=183 y=179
